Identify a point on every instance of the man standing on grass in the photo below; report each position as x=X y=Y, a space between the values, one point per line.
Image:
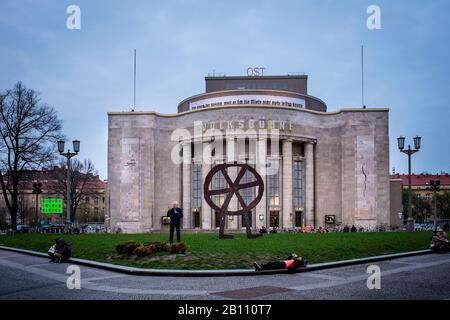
x=175 y=214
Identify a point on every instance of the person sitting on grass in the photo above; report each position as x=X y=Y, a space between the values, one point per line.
x=60 y=251
x=292 y=263
x=439 y=241
x=263 y=230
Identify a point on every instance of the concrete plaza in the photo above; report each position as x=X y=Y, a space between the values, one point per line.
x=418 y=277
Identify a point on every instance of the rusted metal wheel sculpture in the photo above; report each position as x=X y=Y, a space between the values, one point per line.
x=233 y=188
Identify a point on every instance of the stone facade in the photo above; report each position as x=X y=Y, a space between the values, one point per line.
x=344 y=157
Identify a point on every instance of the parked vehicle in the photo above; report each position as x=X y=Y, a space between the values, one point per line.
x=93 y=228
x=23 y=228
x=51 y=228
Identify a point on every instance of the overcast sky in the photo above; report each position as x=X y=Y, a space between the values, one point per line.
x=86 y=73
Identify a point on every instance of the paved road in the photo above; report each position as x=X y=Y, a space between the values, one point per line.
x=420 y=277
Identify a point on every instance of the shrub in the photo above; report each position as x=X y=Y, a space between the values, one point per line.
x=143 y=251
x=160 y=246
x=127 y=247
x=176 y=248
x=132 y=247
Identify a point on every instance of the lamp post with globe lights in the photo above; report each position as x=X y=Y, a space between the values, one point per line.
x=409 y=152
x=68 y=155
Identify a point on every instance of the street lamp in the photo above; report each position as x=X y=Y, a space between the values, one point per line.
x=68 y=155
x=409 y=152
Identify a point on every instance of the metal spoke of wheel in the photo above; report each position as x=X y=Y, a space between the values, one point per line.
x=240 y=176
x=227 y=177
x=240 y=199
x=248 y=185
x=220 y=191
x=227 y=201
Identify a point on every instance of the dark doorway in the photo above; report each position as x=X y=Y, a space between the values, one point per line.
x=216 y=219
x=196 y=219
x=298 y=218
x=274 y=219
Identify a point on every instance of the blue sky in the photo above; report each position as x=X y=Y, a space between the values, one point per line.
x=86 y=73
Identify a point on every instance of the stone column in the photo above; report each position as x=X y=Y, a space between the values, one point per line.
x=309 y=183
x=232 y=172
x=261 y=161
x=186 y=205
x=287 y=184
x=206 y=209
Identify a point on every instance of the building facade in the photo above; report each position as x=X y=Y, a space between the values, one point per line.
x=90 y=196
x=318 y=167
x=420 y=183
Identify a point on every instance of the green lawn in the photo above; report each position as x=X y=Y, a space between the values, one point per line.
x=206 y=251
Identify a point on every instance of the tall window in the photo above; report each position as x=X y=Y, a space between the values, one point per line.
x=247 y=194
x=274 y=189
x=219 y=183
x=298 y=184
x=196 y=185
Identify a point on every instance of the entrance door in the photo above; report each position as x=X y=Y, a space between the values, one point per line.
x=217 y=219
x=298 y=218
x=196 y=219
x=274 y=219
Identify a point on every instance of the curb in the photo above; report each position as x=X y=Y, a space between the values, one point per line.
x=222 y=272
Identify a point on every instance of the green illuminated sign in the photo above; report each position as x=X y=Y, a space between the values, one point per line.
x=51 y=206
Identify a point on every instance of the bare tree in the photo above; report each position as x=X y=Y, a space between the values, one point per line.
x=29 y=130
x=443 y=204
x=3 y=224
x=421 y=209
x=25 y=212
x=82 y=174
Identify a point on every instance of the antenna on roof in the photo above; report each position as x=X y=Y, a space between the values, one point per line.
x=362 y=76
x=216 y=74
x=134 y=88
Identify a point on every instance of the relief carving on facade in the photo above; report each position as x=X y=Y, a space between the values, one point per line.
x=130 y=179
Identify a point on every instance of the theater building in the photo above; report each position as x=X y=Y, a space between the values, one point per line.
x=324 y=167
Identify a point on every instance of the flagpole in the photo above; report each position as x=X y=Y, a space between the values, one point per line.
x=134 y=93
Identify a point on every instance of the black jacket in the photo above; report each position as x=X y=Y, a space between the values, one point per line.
x=64 y=249
x=175 y=215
